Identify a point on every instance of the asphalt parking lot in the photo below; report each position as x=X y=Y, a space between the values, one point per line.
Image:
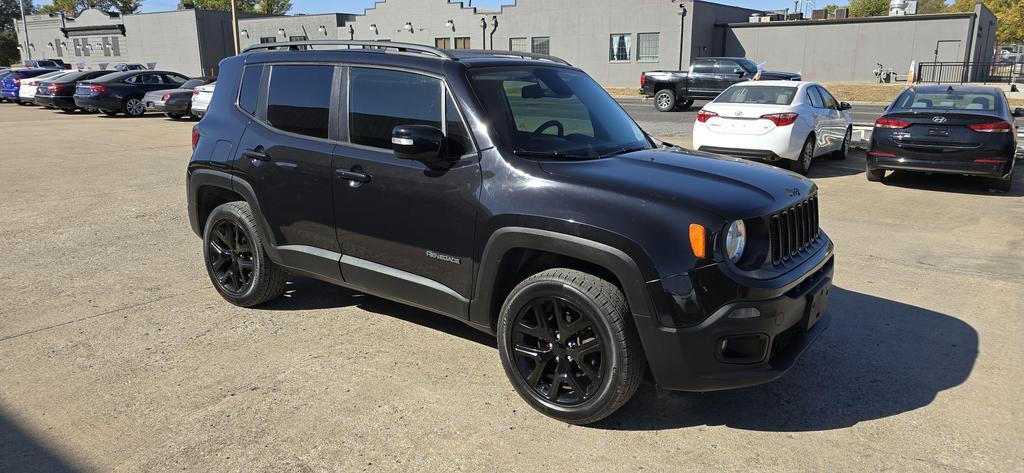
x=116 y=354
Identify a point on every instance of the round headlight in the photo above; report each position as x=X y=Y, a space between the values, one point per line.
x=735 y=240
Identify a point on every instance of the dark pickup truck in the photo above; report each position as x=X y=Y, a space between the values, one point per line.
x=707 y=77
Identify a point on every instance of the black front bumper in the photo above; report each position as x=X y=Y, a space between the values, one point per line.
x=745 y=342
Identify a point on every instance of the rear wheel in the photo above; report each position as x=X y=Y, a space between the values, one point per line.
x=876 y=175
x=568 y=347
x=235 y=260
x=665 y=100
x=133 y=107
x=844 y=149
x=803 y=163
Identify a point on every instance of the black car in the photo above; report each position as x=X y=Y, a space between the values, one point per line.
x=953 y=129
x=510 y=192
x=174 y=103
x=706 y=78
x=60 y=92
x=122 y=92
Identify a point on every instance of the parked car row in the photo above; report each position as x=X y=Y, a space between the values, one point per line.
x=132 y=91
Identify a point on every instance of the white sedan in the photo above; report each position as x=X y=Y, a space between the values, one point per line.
x=781 y=122
x=27 y=90
x=201 y=99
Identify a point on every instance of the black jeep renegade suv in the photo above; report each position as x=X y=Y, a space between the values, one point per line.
x=509 y=191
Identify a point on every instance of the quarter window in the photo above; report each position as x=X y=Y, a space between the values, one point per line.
x=541 y=45
x=380 y=100
x=619 y=47
x=248 y=96
x=647 y=46
x=521 y=45
x=299 y=99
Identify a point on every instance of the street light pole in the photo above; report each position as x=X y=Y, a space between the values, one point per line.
x=24 y=27
x=234 y=24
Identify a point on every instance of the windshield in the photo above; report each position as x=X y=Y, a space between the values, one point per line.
x=554 y=112
x=758 y=94
x=949 y=99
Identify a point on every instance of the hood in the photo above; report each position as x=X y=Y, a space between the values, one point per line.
x=731 y=188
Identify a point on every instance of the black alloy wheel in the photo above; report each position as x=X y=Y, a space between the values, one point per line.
x=557 y=351
x=232 y=260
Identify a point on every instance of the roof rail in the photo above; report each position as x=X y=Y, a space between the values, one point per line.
x=385 y=45
x=524 y=55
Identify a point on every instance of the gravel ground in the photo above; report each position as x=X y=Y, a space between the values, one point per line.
x=117 y=355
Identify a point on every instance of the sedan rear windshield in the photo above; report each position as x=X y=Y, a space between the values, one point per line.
x=949 y=100
x=758 y=94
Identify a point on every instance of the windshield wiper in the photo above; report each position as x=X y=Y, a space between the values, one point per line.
x=628 y=149
x=548 y=154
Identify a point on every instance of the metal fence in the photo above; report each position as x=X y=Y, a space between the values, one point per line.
x=961 y=72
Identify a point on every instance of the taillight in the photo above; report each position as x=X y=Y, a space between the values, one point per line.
x=884 y=122
x=195 y=137
x=994 y=127
x=165 y=97
x=97 y=88
x=879 y=154
x=643 y=79
x=195 y=93
x=781 y=119
x=705 y=115
x=17 y=81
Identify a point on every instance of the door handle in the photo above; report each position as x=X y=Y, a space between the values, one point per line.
x=257 y=154
x=352 y=175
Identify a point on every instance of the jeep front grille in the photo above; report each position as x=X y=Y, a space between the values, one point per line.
x=792 y=230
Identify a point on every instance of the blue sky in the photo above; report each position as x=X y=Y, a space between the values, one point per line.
x=357 y=6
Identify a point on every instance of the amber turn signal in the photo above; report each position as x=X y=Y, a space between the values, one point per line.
x=697 y=240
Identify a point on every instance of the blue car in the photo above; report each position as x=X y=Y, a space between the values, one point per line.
x=11 y=83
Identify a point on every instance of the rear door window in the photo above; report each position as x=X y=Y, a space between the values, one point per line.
x=299 y=99
x=815 y=98
x=704 y=66
x=381 y=99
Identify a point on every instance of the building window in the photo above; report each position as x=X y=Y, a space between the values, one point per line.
x=78 y=47
x=115 y=45
x=647 y=46
x=521 y=45
x=619 y=47
x=56 y=47
x=443 y=43
x=302 y=110
x=106 y=46
x=268 y=39
x=299 y=38
x=541 y=45
x=462 y=42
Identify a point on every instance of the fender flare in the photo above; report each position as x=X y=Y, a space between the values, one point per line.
x=506 y=239
x=199 y=178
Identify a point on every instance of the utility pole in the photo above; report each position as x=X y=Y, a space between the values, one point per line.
x=24 y=26
x=234 y=24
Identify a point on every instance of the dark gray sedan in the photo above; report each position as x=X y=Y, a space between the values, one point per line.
x=175 y=103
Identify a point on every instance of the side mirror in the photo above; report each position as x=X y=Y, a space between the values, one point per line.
x=1018 y=112
x=845 y=106
x=421 y=143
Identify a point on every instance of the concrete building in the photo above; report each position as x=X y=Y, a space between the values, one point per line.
x=849 y=50
x=613 y=40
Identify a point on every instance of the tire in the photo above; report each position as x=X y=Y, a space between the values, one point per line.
x=844 y=149
x=133 y=107
x=109 y=113
x=875 y=175
x=665 y=100
x=684 y=105
x=235 y=259
x=173 y=116
x=802 y=165
x=593 y=327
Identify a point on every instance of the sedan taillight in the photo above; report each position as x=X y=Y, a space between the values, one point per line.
x=781 y=119
x=884 y=122
x=705 y=115
x=195 y=92
x=97 y=88
x=165 y=97
x=195 y=137
x=994 y=127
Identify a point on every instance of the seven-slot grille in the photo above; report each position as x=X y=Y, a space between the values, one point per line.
x=792 y=230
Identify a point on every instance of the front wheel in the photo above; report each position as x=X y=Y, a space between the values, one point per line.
x=665 y=100
x=844 y=150
x=235 y=260
x=568 y=347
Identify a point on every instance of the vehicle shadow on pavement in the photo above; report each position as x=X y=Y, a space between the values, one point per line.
x=311 y=294
x=22 y=452
x=953 y=183
x=879 y=358
x=825 y=167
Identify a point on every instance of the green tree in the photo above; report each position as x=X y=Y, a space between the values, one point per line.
x=1009 y=17
x=9 y=12
x=931 y=6
x=248 y=6
x=8 y=48
x=126 y=7
x=273 y=7
x=862 y=8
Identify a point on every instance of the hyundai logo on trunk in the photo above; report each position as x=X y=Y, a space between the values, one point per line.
x=939 y=119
